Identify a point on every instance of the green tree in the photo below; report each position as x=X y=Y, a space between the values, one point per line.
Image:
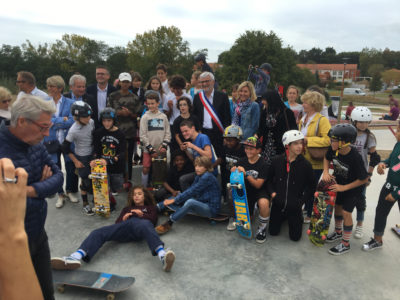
x=163 y=45
x=391 y=77
x=376 y=82
x=369 y=57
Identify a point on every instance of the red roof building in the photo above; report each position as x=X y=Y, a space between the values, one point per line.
x=327 y=72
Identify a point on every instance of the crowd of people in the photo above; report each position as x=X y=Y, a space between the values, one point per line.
x=282 y=148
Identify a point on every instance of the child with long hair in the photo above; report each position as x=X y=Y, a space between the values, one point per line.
x=154 y=84
x=135 y=223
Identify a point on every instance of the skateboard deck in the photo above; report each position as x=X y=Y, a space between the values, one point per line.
x=243 y=222
x=159 y=170
x=217 y=218
x=100 y=189
x=324 y=202
x=396 y=229
x=106 y=282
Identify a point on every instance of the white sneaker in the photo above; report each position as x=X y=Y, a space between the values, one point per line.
x=232 y=225
x=358 y=233
x=73 y=197
x=65 y=263
x=114 y=193
x=168 y=260
x=60 y=201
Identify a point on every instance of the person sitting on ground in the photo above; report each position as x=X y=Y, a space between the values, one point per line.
x=5 y=101
x=155 y=134
x=290 y=183
x=255 y=174
x=393 y=114
x=202 y=198
x=135 y=223
x=349 y=109
x=181 y=165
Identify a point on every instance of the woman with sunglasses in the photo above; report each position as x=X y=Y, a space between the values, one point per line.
x=5 y=101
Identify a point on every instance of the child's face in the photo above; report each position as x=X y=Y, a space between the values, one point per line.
x=334 y=144
x=138 y=197
x=152 y=105
x=155 y=85
x=200 y=170
x=107 y=123
x=296 y=147
x=179 y=162
x=125 y=85
x=230 y=142
x=362 y=126
x=136 y=83
x=177 y=91
x=183 y=107
x=187 y=132
x=162 y=75
x=251 y=152
x=84 y=120
x=292 y=95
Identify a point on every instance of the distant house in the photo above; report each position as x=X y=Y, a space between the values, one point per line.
x=333 y=72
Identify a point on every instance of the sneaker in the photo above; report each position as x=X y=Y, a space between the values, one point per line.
x=60 y=201
x=339 y=249
x=307 y=220
x=65 y=263
x=88 y=210
x=73 y=197
x=163 y=228
x=333 y=236
x=114 y=193
x=261 y=236
x=372 y=245
x=168 y=260
x=358 y=232
x=232 y=225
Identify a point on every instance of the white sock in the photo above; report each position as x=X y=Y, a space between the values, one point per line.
x=145 y=179
x=262 y=222
x=78 y=254
x=160 y=252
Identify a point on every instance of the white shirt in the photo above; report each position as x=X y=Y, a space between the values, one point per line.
x=165 y=87
x=175 y=111
x=59 y=132
x=35 y=92
x=207 y=121
x=304 y=126
x=101 y=100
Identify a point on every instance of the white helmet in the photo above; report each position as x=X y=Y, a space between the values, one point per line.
x=361 y=114
x=291 y=136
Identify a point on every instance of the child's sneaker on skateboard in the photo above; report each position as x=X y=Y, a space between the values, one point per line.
x=88 y=210
x=65 y=263
x=168 y=260
x=333 y=236
x=261 y=236
x=163 y=228
x=339 y=249
x=231 y=225
x=358 y=232
x=372 y=245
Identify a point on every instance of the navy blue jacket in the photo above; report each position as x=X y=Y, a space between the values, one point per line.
x=32 y=159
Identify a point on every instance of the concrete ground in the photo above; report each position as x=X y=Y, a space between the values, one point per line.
x=212 y=263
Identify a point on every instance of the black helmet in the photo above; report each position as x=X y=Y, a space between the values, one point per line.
x=200 y=57
x=343 y=132
x=108 y=113
x=266 y=66
x=81 y=109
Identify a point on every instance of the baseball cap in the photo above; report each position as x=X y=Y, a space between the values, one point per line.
x=125 y=77
x=252 y=142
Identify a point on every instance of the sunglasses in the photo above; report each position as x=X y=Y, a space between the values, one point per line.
x=6 y=101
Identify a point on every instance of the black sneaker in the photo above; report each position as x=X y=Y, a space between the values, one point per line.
x=87 y=210
x=333 y=236
x=372 y=245
x=339 y=249
x=261 y=236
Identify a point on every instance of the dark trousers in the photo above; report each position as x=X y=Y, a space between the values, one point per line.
x=382 y=211
x=71 y=185
x=134 y=229
x=309 y=202
x=186 y=180
x=294 y=218
x=40 y=254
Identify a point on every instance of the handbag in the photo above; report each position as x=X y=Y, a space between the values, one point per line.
x=52 y=146
x=317 y=153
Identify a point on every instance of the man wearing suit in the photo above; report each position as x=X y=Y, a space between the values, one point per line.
x=100 y=92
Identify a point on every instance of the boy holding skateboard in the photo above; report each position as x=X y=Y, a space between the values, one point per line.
x=291 y=182
x=155 y=133
x=388 y=196
x=350 y=175
x=255 y=174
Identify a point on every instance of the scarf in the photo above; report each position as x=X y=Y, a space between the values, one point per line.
x=239 y=111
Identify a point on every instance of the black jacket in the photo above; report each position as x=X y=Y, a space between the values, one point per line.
x=293 y=191
x=92 y=91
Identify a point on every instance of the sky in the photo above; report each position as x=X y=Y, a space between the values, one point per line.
x=346 y=25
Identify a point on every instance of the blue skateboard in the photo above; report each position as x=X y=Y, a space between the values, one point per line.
x=243 y=224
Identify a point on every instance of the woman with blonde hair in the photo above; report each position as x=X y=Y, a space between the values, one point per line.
x=5 y=101
x=247 y=112
x=315 y=128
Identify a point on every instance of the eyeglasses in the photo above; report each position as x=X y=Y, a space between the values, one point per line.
x=42 y=128
x=205 y=81
x=6 y=101
x=101 y=74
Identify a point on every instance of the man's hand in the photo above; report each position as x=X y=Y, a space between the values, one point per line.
x=46 y=173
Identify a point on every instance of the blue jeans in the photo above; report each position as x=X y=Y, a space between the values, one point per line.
x=191 y=206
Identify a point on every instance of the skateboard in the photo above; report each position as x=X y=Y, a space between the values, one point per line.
x=100 y=189
x=243 y=222
x=105 y=282
x=396 y=229
x=324 y=202
x=159 y=170
x=217 y=218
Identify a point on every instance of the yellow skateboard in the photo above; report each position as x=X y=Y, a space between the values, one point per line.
x=99 y=179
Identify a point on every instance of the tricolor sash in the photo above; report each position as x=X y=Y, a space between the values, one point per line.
x=211 y=111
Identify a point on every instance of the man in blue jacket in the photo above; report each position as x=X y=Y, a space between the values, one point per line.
x=21 y=142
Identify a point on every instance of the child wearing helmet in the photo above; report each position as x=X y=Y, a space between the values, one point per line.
x=109 y=146
x=351 y=176
x=80 y=134
x=290 y=183
x=365 y=144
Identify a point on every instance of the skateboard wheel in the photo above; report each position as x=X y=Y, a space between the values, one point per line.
x=316 y=194
x=152 y=159
x=323 y=237
x=246 y=226
x=165 y=159
x=228 y=185
x=110 y=297
x=239 y=186
x=308 y=231
x=90 y=176
x=61 y=289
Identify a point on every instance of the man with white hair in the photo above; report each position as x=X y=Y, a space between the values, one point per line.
x=26 y=83
x=77 y=86
x=21 y=142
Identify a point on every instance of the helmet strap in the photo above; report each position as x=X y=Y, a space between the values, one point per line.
x=287 y=159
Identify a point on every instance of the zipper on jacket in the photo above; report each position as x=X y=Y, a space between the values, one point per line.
x=287 y=188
